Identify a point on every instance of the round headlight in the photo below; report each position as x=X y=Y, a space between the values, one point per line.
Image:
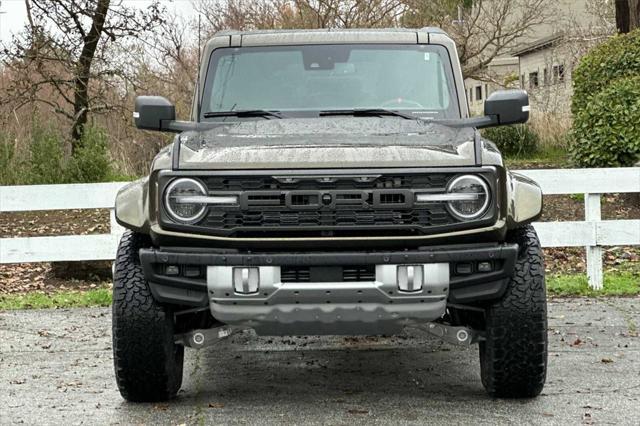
x=472 y=197
x=176 y=200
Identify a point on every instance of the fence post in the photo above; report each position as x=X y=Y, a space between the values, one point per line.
x=592 y=214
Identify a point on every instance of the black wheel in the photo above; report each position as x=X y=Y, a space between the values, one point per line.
x=148 y=364
x=513 y=359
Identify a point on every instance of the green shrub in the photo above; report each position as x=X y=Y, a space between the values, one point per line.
x=514 y=141
x=607 y=130
x=46 y=162
x=617 y=58
x=90 y=162
x=8 y=172
x=43 y=159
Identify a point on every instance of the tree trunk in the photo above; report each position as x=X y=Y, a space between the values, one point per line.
x=634 y=13
x=627 y=15
x=622 y=16
x=83 y=72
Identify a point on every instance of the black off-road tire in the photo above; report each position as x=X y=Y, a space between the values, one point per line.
x=148 y=364
x=513 y=359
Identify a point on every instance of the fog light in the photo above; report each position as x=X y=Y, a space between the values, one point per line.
x=192 y=271
x=172 y=270
x=464 y=268
x=410 y=278
x=485 y=267
x=246 y=280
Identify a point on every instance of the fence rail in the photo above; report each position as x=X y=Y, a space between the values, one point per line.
x=592 y=233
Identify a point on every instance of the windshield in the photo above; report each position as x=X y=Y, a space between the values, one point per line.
x=306 y=80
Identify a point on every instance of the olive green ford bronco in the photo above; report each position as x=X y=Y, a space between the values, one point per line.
x=329 y=182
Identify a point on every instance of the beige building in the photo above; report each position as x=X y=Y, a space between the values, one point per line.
x=545 y=71
x=501 y=73
x=544 y=65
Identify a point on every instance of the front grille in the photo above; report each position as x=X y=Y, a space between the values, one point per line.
x=328 y=205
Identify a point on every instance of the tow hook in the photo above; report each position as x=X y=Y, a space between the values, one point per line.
x=455 y=335
x=201 y=338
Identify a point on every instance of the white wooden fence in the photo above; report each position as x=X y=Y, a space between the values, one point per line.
x=592 y=233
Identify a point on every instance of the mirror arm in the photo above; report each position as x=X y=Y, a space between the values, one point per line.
x=176 y=126
x=477 y=122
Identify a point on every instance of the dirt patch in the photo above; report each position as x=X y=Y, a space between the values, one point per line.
x=54 y=222
x=571 y=207
x=27 y=277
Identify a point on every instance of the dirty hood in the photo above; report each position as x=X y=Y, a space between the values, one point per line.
x=327 y=142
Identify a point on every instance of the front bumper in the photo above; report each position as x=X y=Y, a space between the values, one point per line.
x=324 y=304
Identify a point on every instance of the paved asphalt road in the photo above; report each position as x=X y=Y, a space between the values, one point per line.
x=56 y=368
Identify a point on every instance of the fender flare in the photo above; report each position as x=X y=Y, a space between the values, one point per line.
x=132 y=205
x=524 y=200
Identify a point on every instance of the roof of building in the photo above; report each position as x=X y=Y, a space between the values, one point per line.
x=541 y=43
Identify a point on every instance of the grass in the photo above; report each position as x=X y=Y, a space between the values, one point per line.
x=60 y=299
x=621 y=284
x=548 y=157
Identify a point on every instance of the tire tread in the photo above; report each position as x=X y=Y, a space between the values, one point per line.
x=148 y=364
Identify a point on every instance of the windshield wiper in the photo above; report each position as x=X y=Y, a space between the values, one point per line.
x=368 y=112
x=244 y=113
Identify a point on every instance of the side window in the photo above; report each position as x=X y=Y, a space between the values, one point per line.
x=534 y=82
x=558 y=73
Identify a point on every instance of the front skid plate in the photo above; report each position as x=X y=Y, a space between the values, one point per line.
x=345 y=308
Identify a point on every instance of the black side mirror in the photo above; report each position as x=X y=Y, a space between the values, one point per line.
x=154 y=113
x=508 y=107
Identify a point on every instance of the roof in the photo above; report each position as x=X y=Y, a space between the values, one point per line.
x=330 y=30
x=539 y=44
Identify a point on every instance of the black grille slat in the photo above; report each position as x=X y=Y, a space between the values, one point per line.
x=290 y=274
x=228 y=220
x=359 y=273
x=302 y=274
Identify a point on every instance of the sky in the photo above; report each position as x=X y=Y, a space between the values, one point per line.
x=13 y=13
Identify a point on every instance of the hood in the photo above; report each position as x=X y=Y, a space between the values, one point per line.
x=327 y=142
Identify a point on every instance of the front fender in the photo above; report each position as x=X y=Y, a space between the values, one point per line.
x=132 y=205
x=524 y=198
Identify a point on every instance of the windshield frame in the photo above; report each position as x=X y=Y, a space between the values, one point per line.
x=454 y=110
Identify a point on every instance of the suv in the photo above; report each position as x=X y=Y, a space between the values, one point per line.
x=329 y=182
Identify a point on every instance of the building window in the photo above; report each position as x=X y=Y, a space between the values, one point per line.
x=486 y=90
x=558 y=73
x=546 y=77
x=478 y=93
x=522 y=81
x=534 y=82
